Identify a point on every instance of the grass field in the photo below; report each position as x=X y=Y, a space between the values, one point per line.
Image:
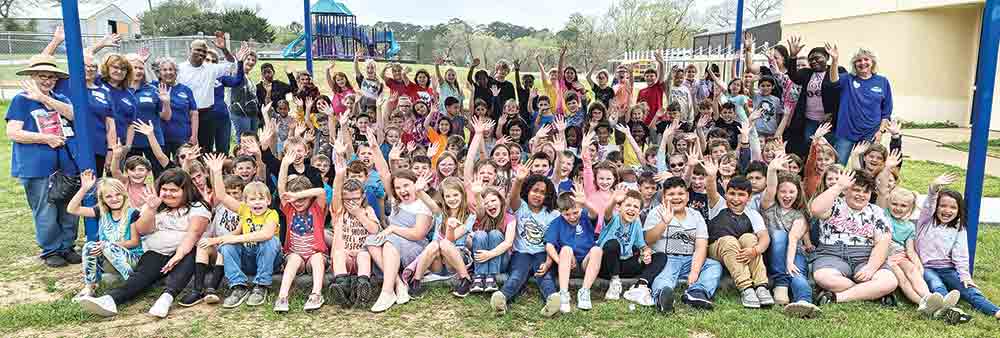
x=35 y=302
x=916 y=174
x=992 y=147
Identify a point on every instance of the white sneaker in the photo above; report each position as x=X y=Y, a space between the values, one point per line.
x=553 y=305
x=85 y=292
x=802 y=309
x=402 y=292
x=162 y=306
x=614 y=290
x=640 y=294
x=583 y=299
x=781 y=295
x=951 y=299
x=931 y=304
x=103 y=306
x=564 y=301
x=384 y=302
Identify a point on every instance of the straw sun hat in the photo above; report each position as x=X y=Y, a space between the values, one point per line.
x=43 y=63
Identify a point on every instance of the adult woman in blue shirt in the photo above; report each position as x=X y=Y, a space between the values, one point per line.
x=152 y=106
x=39 y=123
x=179 y=127
x=116 y=76
x=865 y=101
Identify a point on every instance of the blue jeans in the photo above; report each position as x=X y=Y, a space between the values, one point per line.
x=482 y=240
x=55 y=229
x=243 y=123
x=261 y=258
x=843 y=147
x=777 y=269
x=524 y=265
x=942 y=280
x=680 y=265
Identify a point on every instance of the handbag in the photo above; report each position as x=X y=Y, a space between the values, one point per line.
x=62 y=187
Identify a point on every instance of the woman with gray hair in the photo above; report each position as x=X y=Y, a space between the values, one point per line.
x=865 y=101
x=180 y=126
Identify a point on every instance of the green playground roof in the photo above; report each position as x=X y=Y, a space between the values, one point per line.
x=329 y=7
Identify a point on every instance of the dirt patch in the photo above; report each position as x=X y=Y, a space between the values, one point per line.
x=24 y=291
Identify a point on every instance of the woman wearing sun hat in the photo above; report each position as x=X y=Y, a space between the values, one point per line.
x=39 y=122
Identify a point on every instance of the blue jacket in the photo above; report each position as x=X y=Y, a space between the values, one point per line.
x=220 y=110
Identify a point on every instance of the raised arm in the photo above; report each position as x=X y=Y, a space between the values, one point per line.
x=214 y=162
x=822 y=204
x=515 y=188
x=146 y=128
x=780 y=162
x=329 y=78
x=711 y=182
x=472 y=70
x=834 y=63
x=748 y=45
x=87 y=181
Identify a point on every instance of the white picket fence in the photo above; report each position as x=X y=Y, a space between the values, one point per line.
x=724 y=57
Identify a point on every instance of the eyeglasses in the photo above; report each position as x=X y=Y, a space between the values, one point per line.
x=47 y=77
x=677 y=165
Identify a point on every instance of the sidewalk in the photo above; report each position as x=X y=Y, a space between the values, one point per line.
x=924 y=144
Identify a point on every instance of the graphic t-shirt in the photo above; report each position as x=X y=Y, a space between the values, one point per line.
x=682 y=96
x=531 y=228
x=814 y=97
x=250 y=222
x=370 y=90
x=680 y=236
x=772 y=112
x=847 y=226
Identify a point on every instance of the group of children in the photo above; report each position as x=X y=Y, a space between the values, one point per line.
x=565 y=181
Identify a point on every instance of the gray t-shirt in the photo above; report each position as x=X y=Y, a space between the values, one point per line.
x=680 y=236
x=170 y=228
x=767 y=124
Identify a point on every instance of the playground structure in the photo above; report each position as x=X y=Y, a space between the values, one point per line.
x=337 y=35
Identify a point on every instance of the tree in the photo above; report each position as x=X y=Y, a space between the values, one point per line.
x=244 y=25
x=158 y=21
x=723 y=15
x=507 y=31
x=667 y=23
x=625 y=20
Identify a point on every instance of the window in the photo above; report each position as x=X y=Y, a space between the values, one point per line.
x=112 y=27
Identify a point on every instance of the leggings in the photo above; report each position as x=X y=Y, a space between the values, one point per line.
x=147 y=272
x=121 y=258
x=613 y=265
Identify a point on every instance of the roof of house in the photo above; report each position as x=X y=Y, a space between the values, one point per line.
x=87 y=10
x=746 y=25
x=329 y=7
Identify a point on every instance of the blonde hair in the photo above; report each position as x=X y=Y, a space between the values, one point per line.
x=121 y=61
x=455 y=184
x=256 y=189
x=904 y=195
x=112 y=185
x=864 y=52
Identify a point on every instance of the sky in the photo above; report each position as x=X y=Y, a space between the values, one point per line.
x=551 y=14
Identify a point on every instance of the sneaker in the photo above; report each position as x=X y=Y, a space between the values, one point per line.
x=364 y=292
x=103 y=306
x=340 y=292
x=281 y=305
x=211 y=296
x=462 y=288
x=764 y=296
x=477 y=285
x=434 y=277
x=499 y=302
x=72 y=257
x=931 y=304
x=749 y=298
x=553 y=305
x=490 y=284
x=85 y=292
x=951 y=299
x=384 y=302
x=416 y=289
x=825 y=297
x=257 y=296
x=237 y=295
x=583 y=299
x=162 y=305
x=665 y=303
x=55 y=261
x=781 y=295
x=614 y=290
x=952 y=316
x=402 y=292
x=698 y=299
x=888 y=300
x=314 y=302
x=564 y=301
x=802 y=309
x=640 y=294
x=192 y=298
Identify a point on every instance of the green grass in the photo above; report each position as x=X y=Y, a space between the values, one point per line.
x=917 y=174
x=929 y=125
x=992 y=147
x=440 y=314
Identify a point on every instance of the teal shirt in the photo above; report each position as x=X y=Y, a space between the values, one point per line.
x=902 y=230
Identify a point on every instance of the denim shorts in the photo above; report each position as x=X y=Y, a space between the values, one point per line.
x=846 y=259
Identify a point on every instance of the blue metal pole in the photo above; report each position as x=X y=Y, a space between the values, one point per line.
x=982 y=104
x=309 y=39
x=738 y=33
x=78 y=87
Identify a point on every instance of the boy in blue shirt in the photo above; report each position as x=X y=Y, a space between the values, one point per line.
x=623 y=242
x=544 y=114
x=569 y=241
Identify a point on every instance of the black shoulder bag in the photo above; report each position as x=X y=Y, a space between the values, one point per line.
x=62 y=187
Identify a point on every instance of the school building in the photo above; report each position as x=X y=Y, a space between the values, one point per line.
x=927 y=48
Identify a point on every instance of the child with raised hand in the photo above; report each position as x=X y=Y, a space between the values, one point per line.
x=623 y=241
x=903 y=259
x=452 y=224
x=533 y=207
x=252 y=247
x=942 y=245
x=118 y=240
x=353 y=221
x=569 y=241
x=782 y=206
x=821 y=156
x=304 y=207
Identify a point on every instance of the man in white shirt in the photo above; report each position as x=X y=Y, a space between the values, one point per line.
x=200 y=76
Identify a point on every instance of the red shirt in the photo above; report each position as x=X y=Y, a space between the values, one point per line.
x=425 y=94
x=653 y=96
